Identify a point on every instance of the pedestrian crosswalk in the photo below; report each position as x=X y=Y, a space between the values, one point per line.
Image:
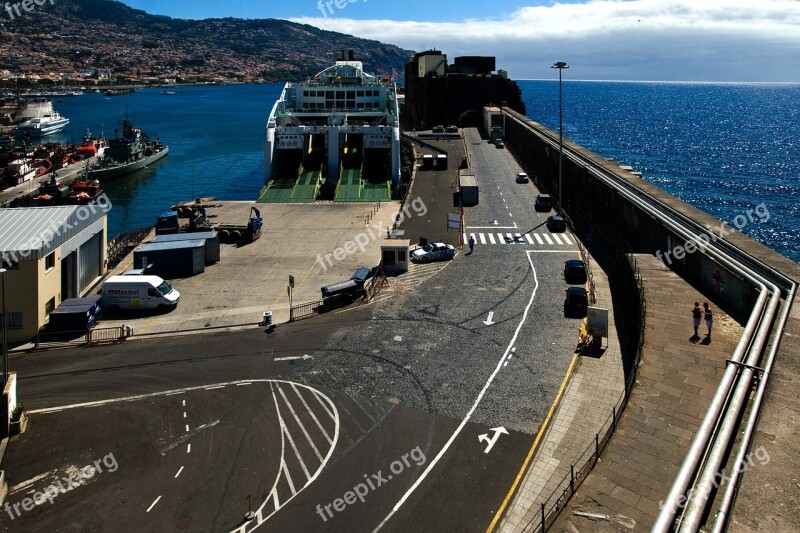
x=535 y=239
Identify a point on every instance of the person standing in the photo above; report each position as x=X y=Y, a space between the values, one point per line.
x=697 y=314
x=471 y=243
x=709 y=316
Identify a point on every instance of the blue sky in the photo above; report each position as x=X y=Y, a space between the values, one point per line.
x=655 y=40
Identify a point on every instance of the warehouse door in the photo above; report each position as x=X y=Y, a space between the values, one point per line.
x=90 y=257
x=69 y=288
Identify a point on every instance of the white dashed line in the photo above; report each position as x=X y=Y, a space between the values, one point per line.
x=184 y=414
x=218 y=387
x=174 y=393
x=188 y=448
x=179 y=472
x=153 y=504
x=187 y=428
x=243 y=384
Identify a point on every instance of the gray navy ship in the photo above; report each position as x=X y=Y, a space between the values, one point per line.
x=126 y=153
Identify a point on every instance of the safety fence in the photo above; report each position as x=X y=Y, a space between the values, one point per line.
x=93 y=336
x=120 y=246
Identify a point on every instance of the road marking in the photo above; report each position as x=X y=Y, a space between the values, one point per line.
x=302 y=427
x=553 y=251
x=499 y=514
x=558 y=241
x=432 y=463
x=243 y=384
x=188 y=436
x=482 y=238
x=179 y=473
x=217 y=387
x=184 y=403
x=289 y=438
x=501 y=238
x=28 y=482
x=153 y=504
x=172 y=393
x=187 y=428
x=566 y=240
x=529 y=238
x=538 y=239
x=491 y=237
x=490 y=441
x=489 y=320
x=547 y=238
x=313 y=416
x=189 y=448
x=295 y=358
x=184 y=414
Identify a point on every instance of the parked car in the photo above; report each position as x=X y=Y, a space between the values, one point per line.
x=543 y=202
x=451 y=129
x=556 y=224
x=522 y=177
x=438 y=129
x=575 y=271
x=576 y=303
x=499 y=144
x=435 y=251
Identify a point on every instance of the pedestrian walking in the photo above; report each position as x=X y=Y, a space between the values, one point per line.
x=471 y=243
x=709 y=316
x=697 y=314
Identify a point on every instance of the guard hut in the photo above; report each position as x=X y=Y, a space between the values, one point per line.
x=394 y=255
x=49 y=254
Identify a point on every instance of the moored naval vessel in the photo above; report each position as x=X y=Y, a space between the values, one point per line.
x=335 y=136
x=126 y=153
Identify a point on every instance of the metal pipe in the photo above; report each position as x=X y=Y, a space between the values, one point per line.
x=726 y=504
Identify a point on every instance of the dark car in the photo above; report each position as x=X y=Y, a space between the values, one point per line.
x=522 y=177
x=438 y=129
x=576 y=303
x=499 y=144
x=451 y=129
x=556 y=224
x=543 y=202
x=575 y=271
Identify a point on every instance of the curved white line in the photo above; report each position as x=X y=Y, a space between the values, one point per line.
x=466 y=419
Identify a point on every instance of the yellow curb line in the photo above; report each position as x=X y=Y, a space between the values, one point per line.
x=535 y=445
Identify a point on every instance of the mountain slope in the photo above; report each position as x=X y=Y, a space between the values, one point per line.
x=77 y=35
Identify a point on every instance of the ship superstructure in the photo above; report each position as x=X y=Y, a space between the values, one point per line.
x=335 y=136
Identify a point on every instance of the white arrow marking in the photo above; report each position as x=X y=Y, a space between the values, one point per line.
x=303 y=357
x=495 y=222
x=491 y=440
x=489 y=320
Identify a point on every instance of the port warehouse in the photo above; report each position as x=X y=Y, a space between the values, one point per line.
x=50 y=254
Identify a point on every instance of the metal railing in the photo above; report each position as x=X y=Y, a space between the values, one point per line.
x=118 y=246
x=579 y=470
x=306 y=309
x=82 y=337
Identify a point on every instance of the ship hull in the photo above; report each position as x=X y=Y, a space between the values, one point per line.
x=105 y=174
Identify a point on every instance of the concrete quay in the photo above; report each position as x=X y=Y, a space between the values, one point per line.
x=66 y=176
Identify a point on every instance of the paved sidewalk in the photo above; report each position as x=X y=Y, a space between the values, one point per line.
x=596 y=385
x=675 y=382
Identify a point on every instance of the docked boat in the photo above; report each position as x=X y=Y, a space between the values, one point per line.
x=83 y=193
x=19 y=171
x=47 y=124
x=91 y=147
x=126 y=153
x=335 y=136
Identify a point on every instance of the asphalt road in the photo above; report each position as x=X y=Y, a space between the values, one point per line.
x=377 y=416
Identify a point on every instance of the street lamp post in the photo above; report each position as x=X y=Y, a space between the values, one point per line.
x=560 y=65
x=5 y=325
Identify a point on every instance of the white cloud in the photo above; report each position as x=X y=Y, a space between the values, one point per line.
x=718 y=40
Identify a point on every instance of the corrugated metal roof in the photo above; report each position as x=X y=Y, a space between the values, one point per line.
x=170 y=245
x=33 y=232
x=185 y=236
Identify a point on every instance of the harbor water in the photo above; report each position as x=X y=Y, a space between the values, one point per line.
x=725 y=148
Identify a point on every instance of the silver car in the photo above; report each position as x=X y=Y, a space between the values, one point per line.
x=435 y=251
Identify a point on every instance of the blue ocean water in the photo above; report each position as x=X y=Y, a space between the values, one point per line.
x=724 y=148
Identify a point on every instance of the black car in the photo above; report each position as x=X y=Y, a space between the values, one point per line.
x=576 y=303
x=575 y=271
x=556 y=224
x=543 y=202
x=451 y=129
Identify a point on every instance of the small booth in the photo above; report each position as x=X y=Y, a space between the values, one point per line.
x=395 y=256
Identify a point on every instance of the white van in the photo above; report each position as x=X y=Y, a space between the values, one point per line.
x=138 y=292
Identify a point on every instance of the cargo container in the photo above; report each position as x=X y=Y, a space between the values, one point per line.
x=75 y=314
x=468 y=187
x=210 y=241
x=176 y=259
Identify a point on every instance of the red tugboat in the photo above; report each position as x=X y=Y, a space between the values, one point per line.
x=84 y=193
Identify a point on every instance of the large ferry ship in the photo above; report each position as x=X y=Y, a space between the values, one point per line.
x=42 y=126
x=335 y=136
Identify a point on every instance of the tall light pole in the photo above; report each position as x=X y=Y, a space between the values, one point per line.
x=5 y=325
x=560 y=65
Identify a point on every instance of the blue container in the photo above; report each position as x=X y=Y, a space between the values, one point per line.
x=175 y=259
x=75 y=314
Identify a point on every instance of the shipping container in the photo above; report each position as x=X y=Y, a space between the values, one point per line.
x=210 y=238
x=178 y=259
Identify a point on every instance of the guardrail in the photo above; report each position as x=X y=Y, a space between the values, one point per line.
x=82 y=337
x=307 y=309
x=118 y=246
